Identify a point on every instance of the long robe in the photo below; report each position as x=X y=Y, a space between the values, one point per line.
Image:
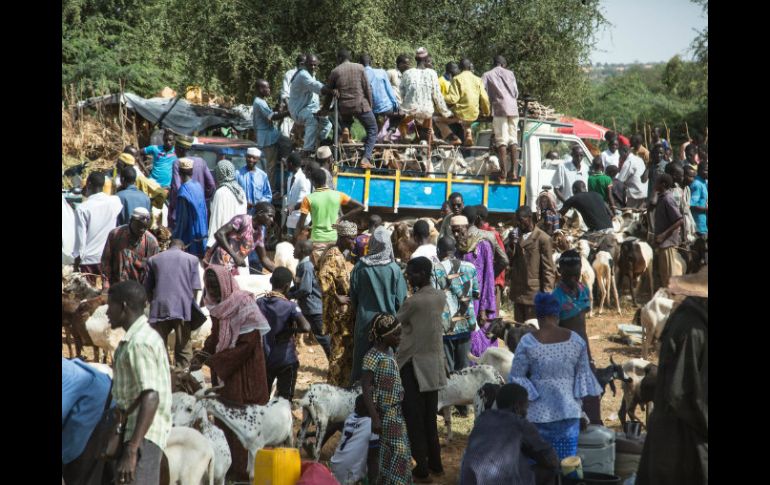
x=242 y=368
x=676 y=448
x=191 y=218
x=373 y=289
x=334 y=279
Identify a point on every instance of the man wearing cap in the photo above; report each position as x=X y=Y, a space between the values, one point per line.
x=354 y=99
x=304 y=103
x=420 y=93
x=468 y=99
x=324 y=158
x=200 y=174
x=130 y=196
x=94 y=219
x=254 y=181
x=127 y=250
x=192 y=217
x=163 y=157
x=274 y=145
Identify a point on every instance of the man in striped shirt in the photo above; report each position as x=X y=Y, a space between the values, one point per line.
x=142 y=385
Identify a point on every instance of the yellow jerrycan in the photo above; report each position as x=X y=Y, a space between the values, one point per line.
x=277 y=466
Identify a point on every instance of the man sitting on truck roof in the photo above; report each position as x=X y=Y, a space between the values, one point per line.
x=568 y=173
x=468 y=99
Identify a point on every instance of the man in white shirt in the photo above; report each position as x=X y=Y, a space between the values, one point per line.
x=421 y=235
x=94 y=219
x=287 y=122
x=298 y=188
x=631 y=175
x=567 y=173
x=357 y=446
x=611 y=156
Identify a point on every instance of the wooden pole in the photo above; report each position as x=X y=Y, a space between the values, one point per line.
x=687 y=131
x=614 y=127
x=636 y=126
x=668 y=133
x=706 y=138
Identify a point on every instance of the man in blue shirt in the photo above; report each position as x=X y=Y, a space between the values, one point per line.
x=163 y=157
x=84 y=392
x=254 y=181
x=274 y=145
x=304 y=103
x=307 y=292
x=699 y=200
x=383 y=96
x=130 y=196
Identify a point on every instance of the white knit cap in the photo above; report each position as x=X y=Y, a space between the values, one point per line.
x=254 y=152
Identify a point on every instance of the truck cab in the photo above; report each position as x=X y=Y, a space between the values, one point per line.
x=539 y=138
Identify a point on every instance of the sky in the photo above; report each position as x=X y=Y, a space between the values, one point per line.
x=647 y=30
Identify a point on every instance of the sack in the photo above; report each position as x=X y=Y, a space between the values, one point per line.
x=197 y=317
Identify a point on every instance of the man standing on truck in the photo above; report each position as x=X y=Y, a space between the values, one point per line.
x=354 y=99
x=163 y=157
x=274 y=145
x=500 y=84
x=568 y=173
x=304 y=103
x=468 y=99
x=384 y=99
x=421 y=96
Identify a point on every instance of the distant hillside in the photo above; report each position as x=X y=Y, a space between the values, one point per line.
x=599 y=72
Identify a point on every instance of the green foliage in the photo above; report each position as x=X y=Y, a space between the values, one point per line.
x=226 y=45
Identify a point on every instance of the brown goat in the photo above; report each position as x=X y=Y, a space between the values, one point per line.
x=403 y=243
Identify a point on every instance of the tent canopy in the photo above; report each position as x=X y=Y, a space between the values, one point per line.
x=587 y=129
x=183 y=118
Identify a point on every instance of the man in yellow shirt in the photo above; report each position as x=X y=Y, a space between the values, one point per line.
x=467 y=99
x=445 y=80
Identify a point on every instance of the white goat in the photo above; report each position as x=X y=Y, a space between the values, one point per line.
x=284 y=257
x=102 y=335
x=188 y=411
x=498 y=357
x=255 y=426
x=653 y=317
x=633 y=373
x=461 y=389
x=587 y=276
x=323 y=404
x=257 y=284
x=190 y=457
x=605 y=276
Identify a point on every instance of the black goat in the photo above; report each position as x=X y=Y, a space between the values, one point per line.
x=510 y=332
x=608 y=374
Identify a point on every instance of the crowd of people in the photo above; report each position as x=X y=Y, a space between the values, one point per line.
x=397 y=327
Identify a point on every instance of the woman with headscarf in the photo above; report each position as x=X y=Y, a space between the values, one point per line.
x=334 y=280
x=234 y=352
x=229 y=200
x=573 y=298
x=376 y=286
x=552 y=365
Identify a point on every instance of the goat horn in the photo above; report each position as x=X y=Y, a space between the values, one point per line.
x=612 y=361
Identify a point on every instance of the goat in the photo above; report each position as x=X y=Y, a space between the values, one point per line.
x=188 y=411
x=485 y=398
x=321 y=405
x=635 y=260
x=652 y=317
x=608 y=375
x=605 y=276
x=255 y=426
x=256 y=284
x=190 y=457
x=461 y=389
x=403 y=243
x=633 y=373
x=101 y=334
x=510 y=332
x=284 y=257
x=498 y=357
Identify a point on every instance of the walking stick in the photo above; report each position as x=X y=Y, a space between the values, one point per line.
x=336 y=129
x=687 y=130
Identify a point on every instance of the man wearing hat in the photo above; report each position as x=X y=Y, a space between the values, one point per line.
x=324 y=158
x=130 y=196
x=127 y=250
x=254 y=181
x=200 y=173
x=421 y=95
x=192 y=217
x=274 y=145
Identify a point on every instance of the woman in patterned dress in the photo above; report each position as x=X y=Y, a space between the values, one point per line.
x=383 y=395
x=334 y=279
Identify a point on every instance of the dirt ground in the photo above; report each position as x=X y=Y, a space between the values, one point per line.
x=602 y=331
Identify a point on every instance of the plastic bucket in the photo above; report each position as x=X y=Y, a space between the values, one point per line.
x=591 y=478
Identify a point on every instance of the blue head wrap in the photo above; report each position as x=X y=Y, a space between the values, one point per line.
x=546 y=304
